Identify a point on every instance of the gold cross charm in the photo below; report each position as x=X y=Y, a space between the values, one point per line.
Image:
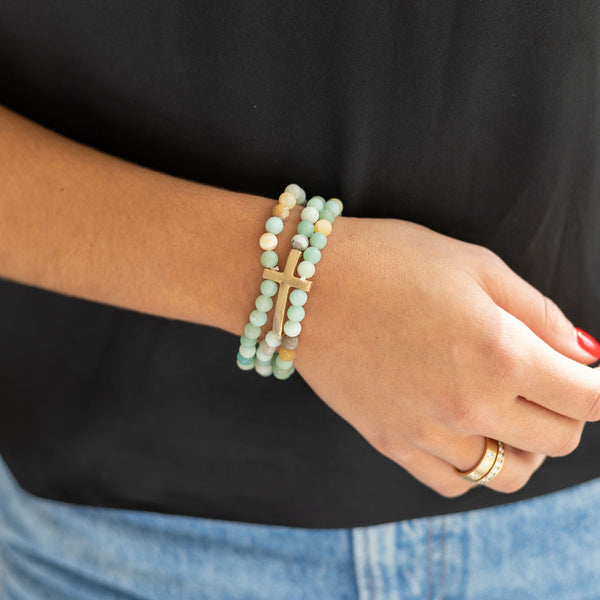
x=286 y=280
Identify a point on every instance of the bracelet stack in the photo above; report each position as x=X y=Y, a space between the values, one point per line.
x=275 y=353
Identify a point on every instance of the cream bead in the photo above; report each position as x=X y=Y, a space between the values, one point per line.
x=265 y=349
x=273 y=339
x=311 y=214
x=288 y=200
x=281 y=211
x=298 y=192
x=268 y=241
x=323 y=226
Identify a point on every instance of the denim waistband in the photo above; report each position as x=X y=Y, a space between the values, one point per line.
x=544 y=548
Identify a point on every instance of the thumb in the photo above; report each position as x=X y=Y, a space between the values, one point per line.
x=512 y=293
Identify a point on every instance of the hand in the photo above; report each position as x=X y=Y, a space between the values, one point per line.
x=426 y=344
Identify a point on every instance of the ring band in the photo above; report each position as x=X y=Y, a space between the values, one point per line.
x=497 y=465
x=488 y=462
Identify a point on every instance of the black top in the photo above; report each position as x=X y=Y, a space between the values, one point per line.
x=478 y=119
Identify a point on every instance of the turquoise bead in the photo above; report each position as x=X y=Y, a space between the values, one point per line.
x=292 y=328
x=264 y=303
x=327 y=215
x=258 y=318
x=269 y=259
x=317 y=201
x=247 y=352
x=318 y=240
x=306 y=228
x=306 y=269
x=333 y=206
x=274 y=225
x=242 y=360
x=245 y=367
x=298 y=298
x=268 y=288
x=295 y=313
x=312 y=254
x=251 y=331
x=247 y=342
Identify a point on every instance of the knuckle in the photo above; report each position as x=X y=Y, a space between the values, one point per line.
x=452 y=489
x=489 y=258
x=504 y=358
x=568 y=443
x=592 y=407
x=513 y=482
x=553 y=316
x=466 y=415
x=393 y=448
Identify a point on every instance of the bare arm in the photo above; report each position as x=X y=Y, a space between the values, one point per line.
x=80 y=222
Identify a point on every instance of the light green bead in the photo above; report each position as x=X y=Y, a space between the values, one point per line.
x=247 y=351
x=333 y=206
x=306 y=269
x=246 y=341
x=268 y=288
x=283 y=374
x=295 y=313
x=327 y=215
x=283 y=364
x=318 y=240
x=258 y=318
x=312 y=254
x=274 y=225
x=306 y=228
x=269 y=259
x=264 y=303
x=317 y=201
x=251 y=331
x=292 y=328
x=298 y=298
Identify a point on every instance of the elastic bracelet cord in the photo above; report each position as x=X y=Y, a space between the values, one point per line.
x=274 y=355
x=246 y=357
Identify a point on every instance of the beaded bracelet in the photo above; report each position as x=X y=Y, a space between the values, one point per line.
x=246 y=357
x=310 y=239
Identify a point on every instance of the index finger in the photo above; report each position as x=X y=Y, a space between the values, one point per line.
x=550 y=379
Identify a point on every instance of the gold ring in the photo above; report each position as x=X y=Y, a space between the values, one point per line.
x=486 y=464
x=496 y=467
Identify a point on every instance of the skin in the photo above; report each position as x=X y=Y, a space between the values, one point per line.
x=423 y=343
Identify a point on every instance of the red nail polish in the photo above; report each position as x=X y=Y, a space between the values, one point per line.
x=588 y=343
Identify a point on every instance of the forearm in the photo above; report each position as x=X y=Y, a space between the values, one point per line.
x=83 y=223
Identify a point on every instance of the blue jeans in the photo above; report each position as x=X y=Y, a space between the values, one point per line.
x=545 y=548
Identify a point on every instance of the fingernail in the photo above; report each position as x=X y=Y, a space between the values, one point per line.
x=588 y=343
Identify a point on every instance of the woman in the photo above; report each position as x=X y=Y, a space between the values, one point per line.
x=142 y=149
